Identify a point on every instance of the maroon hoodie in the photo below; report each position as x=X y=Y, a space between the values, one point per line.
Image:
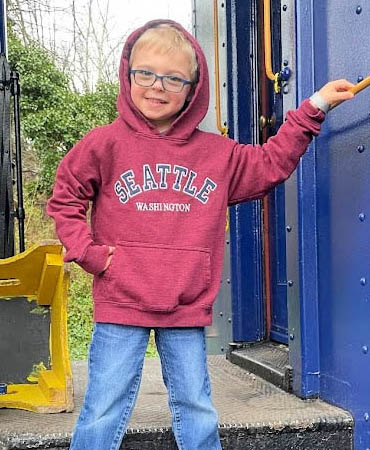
x=161 y=200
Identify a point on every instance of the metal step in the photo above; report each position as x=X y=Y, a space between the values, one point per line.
x=252 y=414
x=269 y=360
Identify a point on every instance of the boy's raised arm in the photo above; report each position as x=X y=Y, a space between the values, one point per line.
x=257 y=169
x=77 y=181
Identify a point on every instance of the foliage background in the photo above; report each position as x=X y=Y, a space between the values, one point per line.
x=53 y=116
x=53 y=119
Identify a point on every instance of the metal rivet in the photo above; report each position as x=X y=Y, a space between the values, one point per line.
x=221 y=313
x=366 y=416
x=223 y=44
x=222 y=5
x=285 y=74
x=359 y=9
x=361 y=148
x=286 y=62
x=291 y=336
x=224 y=85
x=228 y=280
x=229 y=319
x=290 y=283
x=285 y=7
x=365 y=349
x=227 y=242
x=362 y=216
x=222 y=349
x=363 y=281
x=286 y=89
x=359 y=78
x=289 y=228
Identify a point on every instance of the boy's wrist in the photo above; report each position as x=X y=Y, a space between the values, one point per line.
x=317 y=100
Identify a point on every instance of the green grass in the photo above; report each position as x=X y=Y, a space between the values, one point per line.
x=80 y=305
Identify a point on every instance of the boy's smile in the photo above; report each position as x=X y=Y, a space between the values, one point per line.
x=158 y=105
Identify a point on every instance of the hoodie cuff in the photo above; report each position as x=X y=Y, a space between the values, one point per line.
x=94 y=259
x=312 y=111
x=318 y=101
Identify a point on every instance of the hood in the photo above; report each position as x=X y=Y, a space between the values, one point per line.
x=191 y=116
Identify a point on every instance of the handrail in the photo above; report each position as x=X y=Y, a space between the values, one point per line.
x=360 y=86
x=221 y=128
x=268 y=57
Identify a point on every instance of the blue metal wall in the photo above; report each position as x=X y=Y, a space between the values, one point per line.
x=302 y=269
x=334 y=199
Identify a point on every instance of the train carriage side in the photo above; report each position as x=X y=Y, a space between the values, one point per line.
x=296 y=264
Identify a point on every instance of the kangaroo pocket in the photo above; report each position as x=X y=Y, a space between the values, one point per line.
x=156 y=277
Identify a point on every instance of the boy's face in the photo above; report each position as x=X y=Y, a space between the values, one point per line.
x=158 y=105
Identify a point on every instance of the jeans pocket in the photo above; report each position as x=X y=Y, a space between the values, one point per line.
x=157 y=277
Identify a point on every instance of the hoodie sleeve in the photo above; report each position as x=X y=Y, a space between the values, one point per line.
x=77 y=182
x=257 y=169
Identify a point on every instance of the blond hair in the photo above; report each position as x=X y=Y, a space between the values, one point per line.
x=166 y=39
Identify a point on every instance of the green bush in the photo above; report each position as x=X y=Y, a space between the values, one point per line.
x=80 y=313
x=53 y=117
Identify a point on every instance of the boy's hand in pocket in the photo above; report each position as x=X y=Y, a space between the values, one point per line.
x=109 y=259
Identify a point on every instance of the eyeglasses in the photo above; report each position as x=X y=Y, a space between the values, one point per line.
x=170 y=83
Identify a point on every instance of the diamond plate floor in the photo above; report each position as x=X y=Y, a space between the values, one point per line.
x=242 y=400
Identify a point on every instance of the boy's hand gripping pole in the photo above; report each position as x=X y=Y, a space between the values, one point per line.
x=356 y=89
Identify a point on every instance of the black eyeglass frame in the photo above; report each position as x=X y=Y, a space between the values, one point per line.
x=160 y=77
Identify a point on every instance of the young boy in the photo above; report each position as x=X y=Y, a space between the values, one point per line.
x=160 y=189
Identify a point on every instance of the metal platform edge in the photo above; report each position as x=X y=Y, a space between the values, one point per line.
x=280 y=377
x=333 y=434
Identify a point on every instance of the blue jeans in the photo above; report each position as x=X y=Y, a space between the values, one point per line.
x=115 y=365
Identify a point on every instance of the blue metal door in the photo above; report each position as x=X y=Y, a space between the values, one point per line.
x=245 y=219
x=279 y=310
x=246 y=226
x=277 y=242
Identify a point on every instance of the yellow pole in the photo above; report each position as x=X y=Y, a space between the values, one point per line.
x=268 y=56
x=360 y=86
x=222 y=129
x=267 y=26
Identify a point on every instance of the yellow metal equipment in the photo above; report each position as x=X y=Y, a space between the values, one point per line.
x=39 y=276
